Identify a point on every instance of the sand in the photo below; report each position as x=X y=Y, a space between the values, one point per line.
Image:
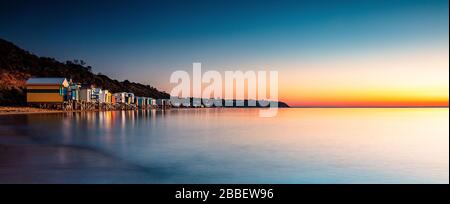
x=6 y=110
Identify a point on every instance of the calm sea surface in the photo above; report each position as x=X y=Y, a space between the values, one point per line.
x=227 y=146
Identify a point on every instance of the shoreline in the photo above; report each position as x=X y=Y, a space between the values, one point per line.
x=369 y=107
x=12 y=110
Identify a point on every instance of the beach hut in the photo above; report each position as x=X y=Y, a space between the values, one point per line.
x=167 y=102
x=108 y=97
x=120 y=97
x=140 y=101
x=148 y=101
x=177 y=101
x=195 y=102
x=144 y=101
x=129 y=98
x=86 y=94
x=97 y=95
x=105 y=96
x=163 y=103
x=73 y=93
x=46 y=90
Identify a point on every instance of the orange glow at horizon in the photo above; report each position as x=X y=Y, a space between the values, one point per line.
x=381 y=78
x=409 y=78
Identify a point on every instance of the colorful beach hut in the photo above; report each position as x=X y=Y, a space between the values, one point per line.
x=46 y=90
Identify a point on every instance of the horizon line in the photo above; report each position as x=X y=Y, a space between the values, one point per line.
x=369 y=106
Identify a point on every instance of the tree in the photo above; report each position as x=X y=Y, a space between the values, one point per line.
x=79 y=62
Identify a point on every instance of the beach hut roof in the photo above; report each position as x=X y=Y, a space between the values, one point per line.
x=48 y=81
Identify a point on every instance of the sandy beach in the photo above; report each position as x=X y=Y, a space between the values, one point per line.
x=7 y=110
x=12 y=110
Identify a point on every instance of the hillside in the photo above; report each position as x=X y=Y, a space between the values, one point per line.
x=17 y=65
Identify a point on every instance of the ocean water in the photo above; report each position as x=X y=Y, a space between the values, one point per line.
x=299 y=145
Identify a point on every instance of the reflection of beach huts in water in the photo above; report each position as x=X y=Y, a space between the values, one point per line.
x=46 y=91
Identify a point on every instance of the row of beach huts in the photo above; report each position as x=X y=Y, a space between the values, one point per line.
x=63 y=94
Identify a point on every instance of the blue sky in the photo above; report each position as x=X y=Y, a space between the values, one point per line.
x=145 y=41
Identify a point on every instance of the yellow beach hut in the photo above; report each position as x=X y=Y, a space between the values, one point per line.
x=46 y=90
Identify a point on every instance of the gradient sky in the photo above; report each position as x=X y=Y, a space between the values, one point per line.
x=328 y=53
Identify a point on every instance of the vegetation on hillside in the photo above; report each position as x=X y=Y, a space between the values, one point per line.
x=17 y=65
